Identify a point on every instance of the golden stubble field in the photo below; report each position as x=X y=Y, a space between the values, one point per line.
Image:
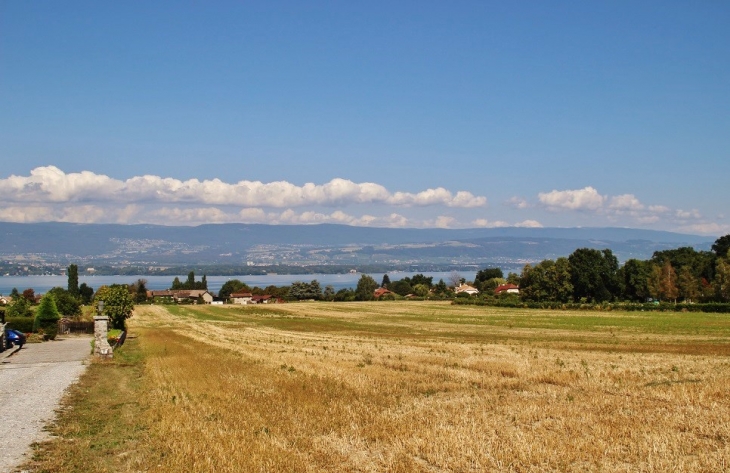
x=421 y=386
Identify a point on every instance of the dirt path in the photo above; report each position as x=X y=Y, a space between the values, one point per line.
x=32 y=382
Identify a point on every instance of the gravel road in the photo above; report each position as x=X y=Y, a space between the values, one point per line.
x=32 y=382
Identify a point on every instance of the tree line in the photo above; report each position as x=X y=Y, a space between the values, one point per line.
x=118 y=301
x=588 y=275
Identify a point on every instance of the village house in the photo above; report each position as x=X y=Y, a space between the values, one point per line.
x=471 y=290
x=507 y=289
x=179 y=296
x=241 y=298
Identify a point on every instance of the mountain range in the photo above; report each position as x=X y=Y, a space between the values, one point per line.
x=321 y=245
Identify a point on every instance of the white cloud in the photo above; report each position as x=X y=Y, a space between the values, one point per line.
x=587 y=198
x=438 y=196
x=518 y=203
x=51 y=185
x=529 y=224
x=443 y=221
x=396 y=220
x=693 y=214
x=659 y=209
x=625 y=202
x=484 y=223
x=714 y=229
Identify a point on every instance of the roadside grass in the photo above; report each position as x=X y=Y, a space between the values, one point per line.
x=400 y=387
x=101 y=424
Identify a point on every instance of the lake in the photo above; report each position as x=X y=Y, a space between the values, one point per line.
x=41 y=284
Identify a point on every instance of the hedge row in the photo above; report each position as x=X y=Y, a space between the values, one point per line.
x=714 y=307
x=21 y=324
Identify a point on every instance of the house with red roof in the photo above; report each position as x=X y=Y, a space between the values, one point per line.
x=507 y=289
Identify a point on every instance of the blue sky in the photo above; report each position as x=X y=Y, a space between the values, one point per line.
x=415 y=114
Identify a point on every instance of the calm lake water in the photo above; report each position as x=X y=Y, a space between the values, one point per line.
x=41 y=284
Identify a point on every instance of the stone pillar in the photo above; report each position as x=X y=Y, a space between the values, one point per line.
x=102 y=348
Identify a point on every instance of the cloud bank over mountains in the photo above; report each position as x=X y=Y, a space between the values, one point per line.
x=51 y=185
x=50 y=194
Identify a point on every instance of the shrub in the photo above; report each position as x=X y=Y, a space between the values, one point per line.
x=21 y=324
x=46 y=318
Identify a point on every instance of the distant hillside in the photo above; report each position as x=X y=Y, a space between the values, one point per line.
x=322 y=244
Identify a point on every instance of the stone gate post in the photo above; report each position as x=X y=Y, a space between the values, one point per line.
x=102 y=348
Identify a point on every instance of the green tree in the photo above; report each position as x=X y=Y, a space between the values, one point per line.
x=401 y=287
x=721 y=283
x=488 y=273
x=688 y=285
x=303 y=291
x=329 y=293
x=232 y=286
x=365 y=290
x=345 y=295
x=19 y=307
x=441 y=290
x=176 y=284
x=633 y=277
x=73 y=280
x=548 y=281
x=118 y=304
x=419 y=279
x=386 y=281
x=86 y=293
x=421 y=290
x=490 y=285
x=65 y=302
x=721 y=246
x=513 y=278
x=14 y=294
x=46 y=317
x=139 y=290
x=594 y=274
x=702 y=263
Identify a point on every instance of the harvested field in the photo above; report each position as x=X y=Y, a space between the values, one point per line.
x=410 y=386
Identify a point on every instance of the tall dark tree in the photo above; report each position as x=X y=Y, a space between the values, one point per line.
x=634 y=277
x=139 y=290
x=721 y=283
x=176 y=284
x=722 y=246
x=86 y=293
x=593 y=274
x=73 y=280
x=14 y=293
x=386 y=281
x=487 y=274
